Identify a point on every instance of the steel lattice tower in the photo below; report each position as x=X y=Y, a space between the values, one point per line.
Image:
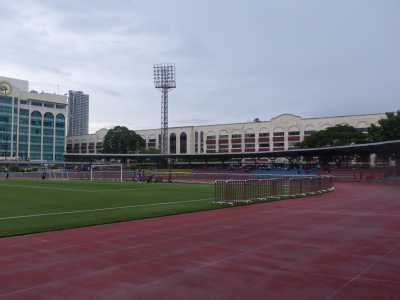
x=164 y=79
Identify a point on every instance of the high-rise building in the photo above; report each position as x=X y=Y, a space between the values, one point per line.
x=78 y=113
x=32 y=124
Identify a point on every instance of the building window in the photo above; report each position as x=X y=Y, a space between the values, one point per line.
x=172 y=143
x=5 y=125
x=279 y=141
x=83 y=148
x=151 y=144
x=36 y=103
x=48 y=104
x=278 y=136
x=23 y=134
x=293 y=139
x=223 y=143
x=211 y=144
x=263 y=142
x=279 y=146
x=196 y=142
x=36 y=136
x=202 y=142
x=60 y=137
x=183 y=143
x=99 y=147
x=236 y=142
x=48 y=136
x=91 y=147
x=250 y=142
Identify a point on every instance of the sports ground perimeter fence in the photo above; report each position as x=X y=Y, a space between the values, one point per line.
x=132 y=175
x=257 y=190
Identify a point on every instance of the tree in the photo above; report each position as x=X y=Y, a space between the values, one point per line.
x=338 y=135
x=387 y=130
x=122 y=140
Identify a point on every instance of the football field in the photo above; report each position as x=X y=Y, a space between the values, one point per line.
x=37 y=206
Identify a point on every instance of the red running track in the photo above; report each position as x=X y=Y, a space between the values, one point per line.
x=342 y=245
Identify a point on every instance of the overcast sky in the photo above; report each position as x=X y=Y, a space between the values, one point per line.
x=236 y=60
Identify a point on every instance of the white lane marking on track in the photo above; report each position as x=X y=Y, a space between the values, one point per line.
x=99 y=209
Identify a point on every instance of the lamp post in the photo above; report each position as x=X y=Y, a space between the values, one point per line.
x=164 y=79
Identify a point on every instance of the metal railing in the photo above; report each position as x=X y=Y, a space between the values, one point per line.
x=257 y=190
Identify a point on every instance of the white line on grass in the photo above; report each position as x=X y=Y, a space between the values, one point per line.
x=98 y=209
x=68 y=189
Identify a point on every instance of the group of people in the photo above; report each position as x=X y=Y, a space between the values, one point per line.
x=139 y=176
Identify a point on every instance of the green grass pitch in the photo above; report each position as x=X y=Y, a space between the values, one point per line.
x=37 y=206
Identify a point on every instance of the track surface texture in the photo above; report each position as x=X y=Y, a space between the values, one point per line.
x=341 y=245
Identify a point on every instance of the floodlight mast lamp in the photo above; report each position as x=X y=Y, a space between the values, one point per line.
x=164 y=79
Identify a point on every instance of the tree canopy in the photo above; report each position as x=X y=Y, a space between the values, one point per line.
x=387 y=130
x=338 y=135
x=122 y=140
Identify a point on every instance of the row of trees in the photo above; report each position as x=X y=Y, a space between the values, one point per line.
x=340 y=135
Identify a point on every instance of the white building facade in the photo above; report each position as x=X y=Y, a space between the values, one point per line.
x=280 y=133
x=32 y=124
x=89 y=143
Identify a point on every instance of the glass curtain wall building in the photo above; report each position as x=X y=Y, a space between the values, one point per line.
x=32 y=125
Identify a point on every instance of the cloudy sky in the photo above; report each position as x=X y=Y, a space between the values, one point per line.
x=236 y=59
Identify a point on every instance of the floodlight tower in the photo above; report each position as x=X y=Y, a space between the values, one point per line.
x=164 y=79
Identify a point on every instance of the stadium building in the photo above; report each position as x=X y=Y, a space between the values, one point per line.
x=89 y=143
x=282 y=132
x=32 y=124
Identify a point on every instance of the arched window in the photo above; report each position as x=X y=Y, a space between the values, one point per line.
x=6 y=115
x=48 y=136
x=183 y=143
x=36 y=136
x=172 y=143
x=60 y=137
x=23 y=134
